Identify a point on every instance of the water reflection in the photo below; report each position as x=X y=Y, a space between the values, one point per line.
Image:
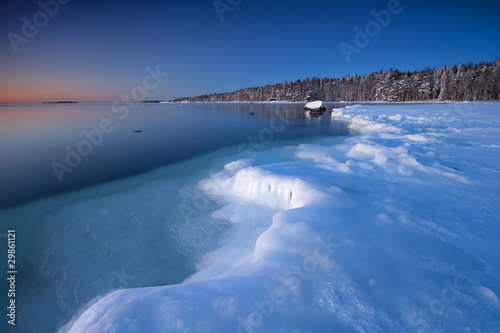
x=289 y=111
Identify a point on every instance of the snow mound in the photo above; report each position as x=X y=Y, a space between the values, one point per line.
x=263 y=187
x=395 y=118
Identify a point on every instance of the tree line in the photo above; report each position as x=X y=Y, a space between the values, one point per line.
x=465 y=82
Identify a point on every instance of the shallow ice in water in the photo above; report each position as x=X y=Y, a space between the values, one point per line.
x=392 y=230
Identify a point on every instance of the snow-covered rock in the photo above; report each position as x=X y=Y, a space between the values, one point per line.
x=315 y=106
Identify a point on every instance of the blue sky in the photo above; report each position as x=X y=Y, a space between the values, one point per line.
x=94 y=51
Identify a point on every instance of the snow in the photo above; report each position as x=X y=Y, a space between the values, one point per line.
x=316 y=105
x=393 y=229
x=395 y=118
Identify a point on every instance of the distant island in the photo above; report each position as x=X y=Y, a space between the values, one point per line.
x=464 y=82
x=61 y=102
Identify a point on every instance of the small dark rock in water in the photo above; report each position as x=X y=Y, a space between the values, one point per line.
x=138 y=131
x=251 y=113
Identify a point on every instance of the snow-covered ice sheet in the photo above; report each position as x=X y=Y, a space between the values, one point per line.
x=394 y=229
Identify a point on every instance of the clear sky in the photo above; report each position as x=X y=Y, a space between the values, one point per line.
x=95 y=51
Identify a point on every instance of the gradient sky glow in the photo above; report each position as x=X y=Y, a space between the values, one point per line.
x=94 y=51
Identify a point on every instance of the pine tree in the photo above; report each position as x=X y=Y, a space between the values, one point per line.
x=443 y=95
x=495 y=81
x=424 y=87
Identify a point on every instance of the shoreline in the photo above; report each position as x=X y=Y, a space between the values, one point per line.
x=430 y=102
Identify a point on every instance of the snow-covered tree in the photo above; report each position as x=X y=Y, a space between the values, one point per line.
x=443 y=95
x=463 y=82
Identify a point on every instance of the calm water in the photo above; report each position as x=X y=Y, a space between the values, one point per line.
x=44 y=149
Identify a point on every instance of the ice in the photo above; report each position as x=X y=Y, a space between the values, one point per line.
x=393 y=229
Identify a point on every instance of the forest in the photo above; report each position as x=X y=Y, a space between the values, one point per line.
x=465 y=82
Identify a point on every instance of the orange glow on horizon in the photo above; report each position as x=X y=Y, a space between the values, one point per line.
x=39 y=91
